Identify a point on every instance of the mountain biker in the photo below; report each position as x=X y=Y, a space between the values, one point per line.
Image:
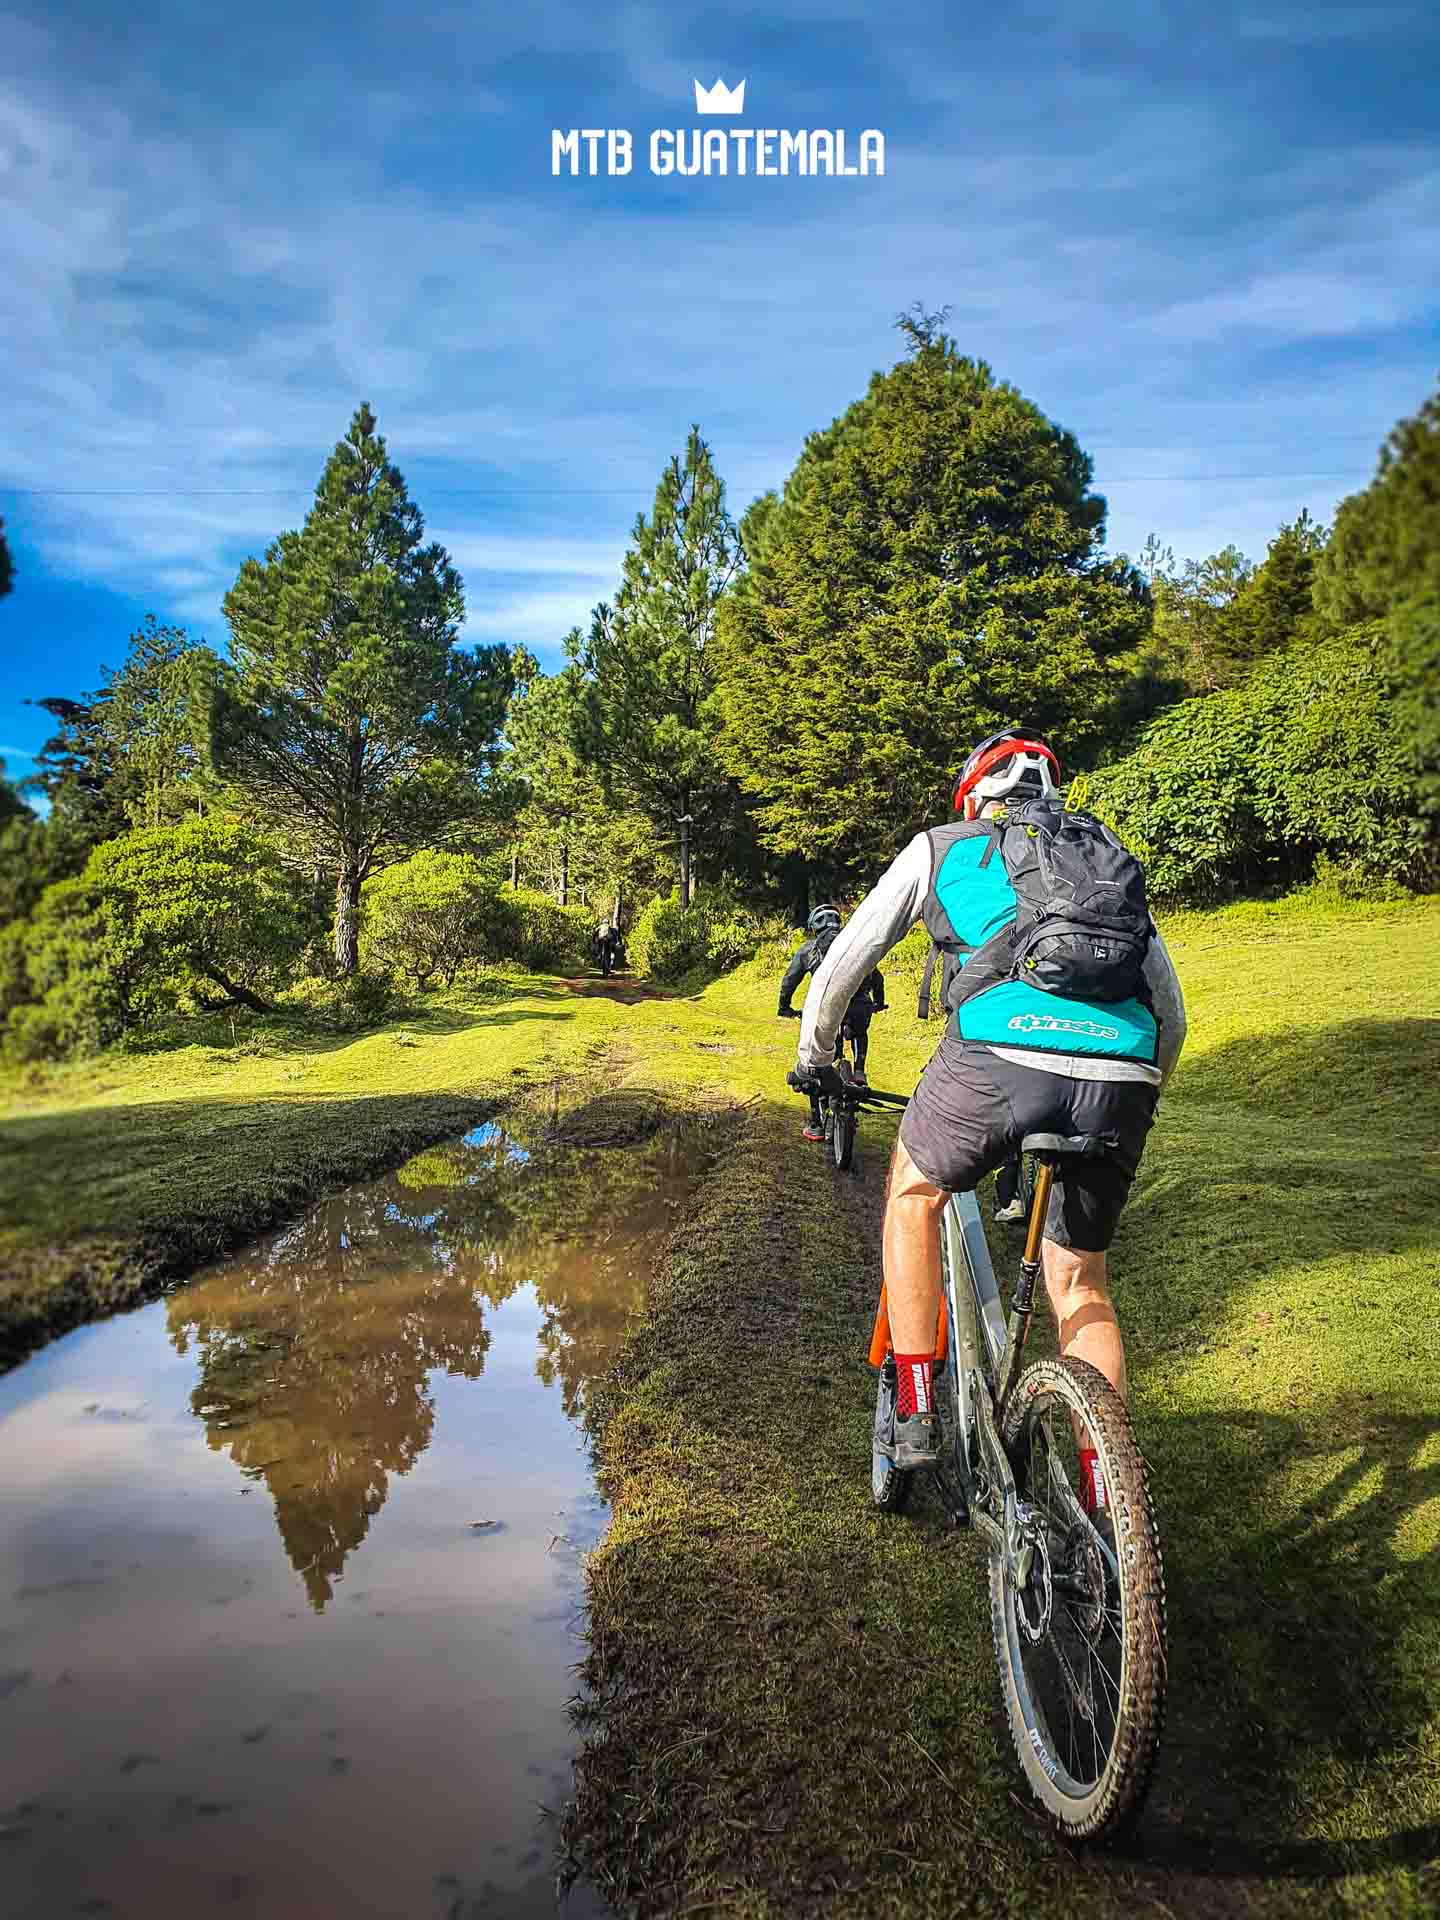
x=868 y=999
x=608 y=950
x=1081 y=1067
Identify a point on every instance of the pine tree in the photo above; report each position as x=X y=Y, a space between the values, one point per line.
x=1275 y=605
x=348 y=717
x=1384 y=551
x=1382 y=564
x=931 y=573
x=648 y=669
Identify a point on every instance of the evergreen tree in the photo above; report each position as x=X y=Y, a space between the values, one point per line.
x=565 y=802
x=582 y=841
x=348 y=717
x=931 y=573
x=1275 y=605
x=149 y=716
x=1384 y=551
x=1383 y=563
x=647 y=668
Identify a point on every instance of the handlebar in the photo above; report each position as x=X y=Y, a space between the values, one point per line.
x=852 y=1092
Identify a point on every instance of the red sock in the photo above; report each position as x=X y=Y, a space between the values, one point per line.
x=913 y=1383
x=1092 y=1481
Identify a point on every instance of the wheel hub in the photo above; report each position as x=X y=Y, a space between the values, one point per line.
x=1035 y=1593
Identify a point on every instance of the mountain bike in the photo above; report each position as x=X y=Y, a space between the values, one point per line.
x=1077 y=1601
x=839 y=1112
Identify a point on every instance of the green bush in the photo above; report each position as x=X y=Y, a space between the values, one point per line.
x=200 y=914
x=352 y=1003
x=1254 y=786
x=717 y=932
x=546 y=937
x=433 y=914
x=437 y=913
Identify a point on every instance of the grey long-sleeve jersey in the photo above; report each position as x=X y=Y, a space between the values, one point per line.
x=885 y=916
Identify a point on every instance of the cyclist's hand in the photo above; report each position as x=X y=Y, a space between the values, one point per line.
x=818 y=1080
x=789 y=1013
x=884 y=1009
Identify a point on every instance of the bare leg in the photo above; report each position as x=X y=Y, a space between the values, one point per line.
x=1084 y=1312
x=912 y=1255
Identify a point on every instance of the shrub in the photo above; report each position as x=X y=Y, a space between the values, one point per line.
x=1255 y=785
x=546 y=937
x=434 y=914
x=164 y=917
x=717 y=932
x=353 y=1003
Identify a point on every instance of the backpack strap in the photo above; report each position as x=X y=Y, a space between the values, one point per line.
x=926 y=980
x=996 y=824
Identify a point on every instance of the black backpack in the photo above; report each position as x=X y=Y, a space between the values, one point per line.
x=1082 y=922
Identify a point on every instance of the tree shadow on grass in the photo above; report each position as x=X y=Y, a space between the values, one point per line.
x=1304 y=1619
x=287 y=1030
x=1378 y=1079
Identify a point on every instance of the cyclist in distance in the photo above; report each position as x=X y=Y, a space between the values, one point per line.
x=1015 y=1058
x=868 y=999
x=609 y=952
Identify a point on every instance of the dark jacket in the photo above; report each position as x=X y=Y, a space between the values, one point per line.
x=806 y=959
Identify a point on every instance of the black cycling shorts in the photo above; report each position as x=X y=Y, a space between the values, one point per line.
x=972 y=1108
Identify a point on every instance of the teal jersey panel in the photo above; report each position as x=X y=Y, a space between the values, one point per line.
x=1014 y=1014
x=977 y=901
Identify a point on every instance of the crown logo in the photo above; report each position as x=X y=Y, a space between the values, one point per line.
x=719 y=98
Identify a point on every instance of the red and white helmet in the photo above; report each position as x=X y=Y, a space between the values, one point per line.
x=1005 y=763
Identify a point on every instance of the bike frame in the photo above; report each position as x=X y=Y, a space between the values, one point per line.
x=985 y=1349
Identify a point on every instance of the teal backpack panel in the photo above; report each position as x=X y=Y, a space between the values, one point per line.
x=977 y=901
x=1014 y=1014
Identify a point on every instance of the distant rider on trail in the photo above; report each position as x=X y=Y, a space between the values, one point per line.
x=869 y=999
x=1063 y=1015
x=609 y=951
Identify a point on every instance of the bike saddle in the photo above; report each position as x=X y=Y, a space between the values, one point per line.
x=1092 y=1145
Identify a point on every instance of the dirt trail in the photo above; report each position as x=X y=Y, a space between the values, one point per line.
x=595 y=987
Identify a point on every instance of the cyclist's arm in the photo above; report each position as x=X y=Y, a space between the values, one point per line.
x=883 y=917
x=1168 y=1002
x=796 y=971
x=877 y=988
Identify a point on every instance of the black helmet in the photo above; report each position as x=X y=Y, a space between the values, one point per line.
x=822 y=919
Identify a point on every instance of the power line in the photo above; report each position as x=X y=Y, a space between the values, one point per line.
x=477 y=493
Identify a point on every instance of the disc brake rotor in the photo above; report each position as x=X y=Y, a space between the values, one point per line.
x=1035 y=1599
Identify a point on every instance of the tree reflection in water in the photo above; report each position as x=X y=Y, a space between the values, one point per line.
x=315 y=1349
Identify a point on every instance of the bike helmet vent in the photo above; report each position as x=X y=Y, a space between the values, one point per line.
x=1008 y=763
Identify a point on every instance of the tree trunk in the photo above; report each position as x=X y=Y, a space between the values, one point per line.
x=685 y=861
x=619 y=894
x=514 y=865
x=564 y=876
x=347 y=918
x=242 y=996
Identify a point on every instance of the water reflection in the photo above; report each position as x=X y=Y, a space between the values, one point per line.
x=316 y=1349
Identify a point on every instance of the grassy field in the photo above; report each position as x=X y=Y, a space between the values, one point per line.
x=792 y=1697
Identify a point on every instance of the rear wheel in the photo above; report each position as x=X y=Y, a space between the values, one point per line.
x=889 y=1487
x=1081 y=1644
x=842 y=1138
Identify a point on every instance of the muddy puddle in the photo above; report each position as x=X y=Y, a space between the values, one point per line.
x=290 y=1562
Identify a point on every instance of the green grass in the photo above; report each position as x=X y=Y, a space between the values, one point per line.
x=794 y=1697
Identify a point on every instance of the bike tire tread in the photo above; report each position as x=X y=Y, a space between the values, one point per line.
x=1143 y=1576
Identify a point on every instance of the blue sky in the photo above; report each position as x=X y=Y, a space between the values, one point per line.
x=1202 y=237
